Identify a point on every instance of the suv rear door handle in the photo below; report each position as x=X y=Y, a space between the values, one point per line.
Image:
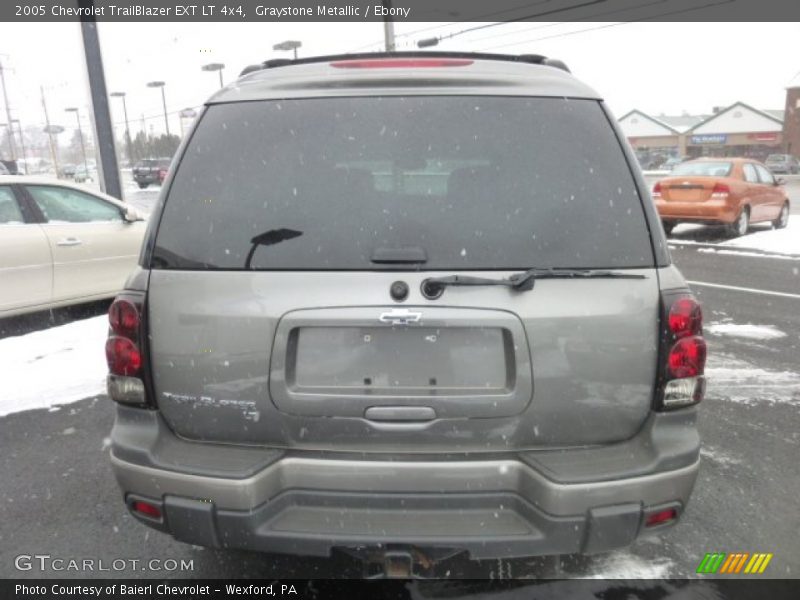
x=70 y=241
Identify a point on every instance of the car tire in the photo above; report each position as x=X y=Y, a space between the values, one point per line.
x=668 y=226
x=783 y=218
x=742 y=223
x=143 y=185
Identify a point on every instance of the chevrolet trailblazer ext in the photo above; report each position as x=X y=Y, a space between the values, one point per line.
x=417 y=300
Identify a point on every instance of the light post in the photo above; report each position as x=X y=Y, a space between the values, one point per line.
x=161 y=84
x=128 y=142
x=288 y=45
x=8 y=115
x=211 y=67
x=22 y=143
x=80 y=134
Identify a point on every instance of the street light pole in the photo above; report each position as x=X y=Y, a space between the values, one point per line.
x=8 y=115
x=22 y=144
x=214 y=67
x=50 y=133
x=128 y=142
x=292 y=45
x=161 y=84
x=80 y=134
x=388 y=26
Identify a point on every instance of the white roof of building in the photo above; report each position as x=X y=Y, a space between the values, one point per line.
x=738 y=118
x=639 y=124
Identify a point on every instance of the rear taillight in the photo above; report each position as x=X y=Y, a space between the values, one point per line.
x=123 y=316
x=124 y=350
x=683 y=353
x=720 y=191
x=147 y=509
x=660 y=517
x=685 y=317
x=657 y=191
x=123 y=356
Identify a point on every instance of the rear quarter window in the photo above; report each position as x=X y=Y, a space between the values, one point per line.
x=476 y=182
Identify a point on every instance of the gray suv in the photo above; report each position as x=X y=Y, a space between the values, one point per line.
x=417 y=300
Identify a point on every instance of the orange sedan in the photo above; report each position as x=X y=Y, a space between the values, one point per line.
x=733 y=192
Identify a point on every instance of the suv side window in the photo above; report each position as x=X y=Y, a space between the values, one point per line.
x=765 y=176
x=9 y=209
x=750 y=174
x=72 y=206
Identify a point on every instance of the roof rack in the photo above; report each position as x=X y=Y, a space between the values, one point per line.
x=536 y=59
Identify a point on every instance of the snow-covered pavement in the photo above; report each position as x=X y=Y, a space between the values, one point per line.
x=55 y=366
x=761 y=239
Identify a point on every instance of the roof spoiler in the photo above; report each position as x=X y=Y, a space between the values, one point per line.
x=535 y=59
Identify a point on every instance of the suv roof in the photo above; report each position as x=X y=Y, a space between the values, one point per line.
x=406 y=73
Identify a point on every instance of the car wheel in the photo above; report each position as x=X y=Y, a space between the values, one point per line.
x=783 y=218
x=742 y=223
x=668 y=226
x=143 y=185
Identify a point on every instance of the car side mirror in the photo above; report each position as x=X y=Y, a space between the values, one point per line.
x=131 y=215
x=779 y=181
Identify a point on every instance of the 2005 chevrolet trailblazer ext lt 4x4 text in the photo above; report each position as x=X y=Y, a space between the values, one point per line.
x=417 y=300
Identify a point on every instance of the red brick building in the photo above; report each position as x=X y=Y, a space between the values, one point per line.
x=791 y=121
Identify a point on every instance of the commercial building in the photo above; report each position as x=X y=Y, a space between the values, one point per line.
x=736 y=130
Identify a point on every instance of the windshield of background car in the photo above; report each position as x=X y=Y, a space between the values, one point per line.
x=777 y=158
x=475 y=182
x=704 y=169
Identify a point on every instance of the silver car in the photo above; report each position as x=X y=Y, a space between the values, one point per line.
x=412 y=301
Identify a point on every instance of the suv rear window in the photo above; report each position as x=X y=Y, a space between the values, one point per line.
x=476 y=182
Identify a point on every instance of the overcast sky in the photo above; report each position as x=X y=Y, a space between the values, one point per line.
x=657 y=67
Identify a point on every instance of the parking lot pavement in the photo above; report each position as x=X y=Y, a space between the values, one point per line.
x=58 y=495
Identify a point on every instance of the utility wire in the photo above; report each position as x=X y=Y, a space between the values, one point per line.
x=548 y=25
x=477 y=18
x=524 y=18
x=607 y=26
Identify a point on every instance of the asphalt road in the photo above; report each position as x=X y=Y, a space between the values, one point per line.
x=58 y=496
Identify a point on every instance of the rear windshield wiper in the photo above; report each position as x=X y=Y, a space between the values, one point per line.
x=269 y=238
x=522 y=282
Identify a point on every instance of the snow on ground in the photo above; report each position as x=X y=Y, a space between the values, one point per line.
x=56 y=366
x=740 y=381
x=718 y=456
x=761 y=238
x=624 y=565
x=777 y=241
x=749 y=331
x=747 y=253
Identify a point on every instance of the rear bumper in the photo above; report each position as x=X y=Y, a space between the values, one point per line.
x=517 y=505
x=710 y=211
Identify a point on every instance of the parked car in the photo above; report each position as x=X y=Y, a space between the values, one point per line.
x=146 y=172
x=733 y=192
x=783 y=163
x=489 y=351
x=672 y=162
x=82 y=174
x=3 y=170
x=67 y=171
x=61 y=244
x=10 y=166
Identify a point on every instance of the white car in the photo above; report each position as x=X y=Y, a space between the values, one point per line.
x=62 y=244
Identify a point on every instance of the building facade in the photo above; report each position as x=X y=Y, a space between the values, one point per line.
x=736 y=130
